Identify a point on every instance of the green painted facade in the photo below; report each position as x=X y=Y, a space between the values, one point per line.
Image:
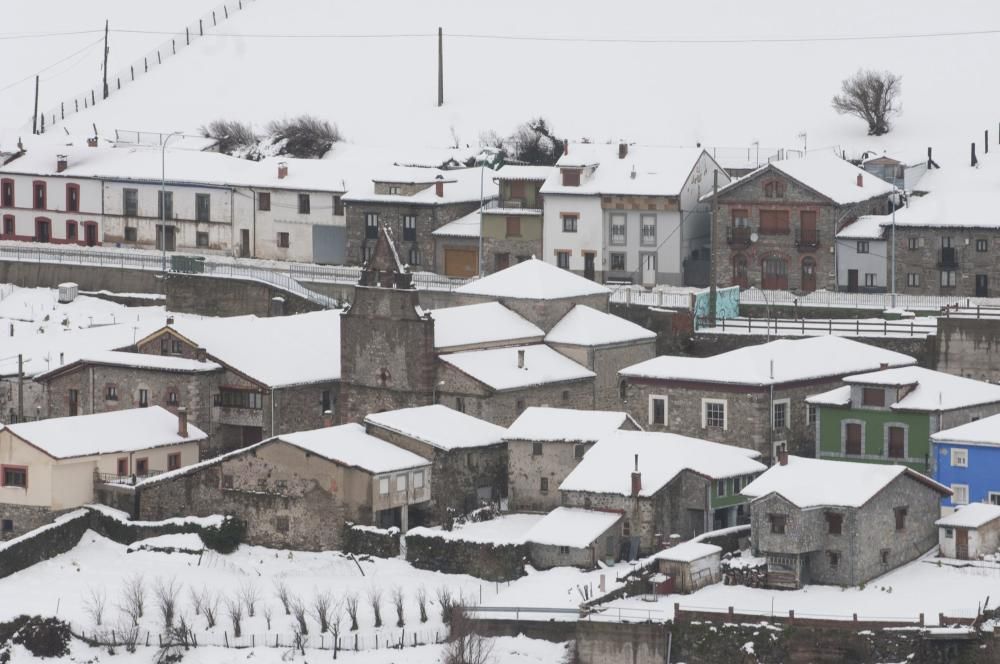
x=875 y=437
x=495 y=226
x=731 y=495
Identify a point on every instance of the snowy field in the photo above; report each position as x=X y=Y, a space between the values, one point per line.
x=723 y=72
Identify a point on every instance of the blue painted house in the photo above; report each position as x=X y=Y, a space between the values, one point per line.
x=968 y=461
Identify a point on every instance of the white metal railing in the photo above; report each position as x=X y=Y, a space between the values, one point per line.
x=814 y=327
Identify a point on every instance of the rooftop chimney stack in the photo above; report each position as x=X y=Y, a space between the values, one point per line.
x=782 y=456
x=439 y=187
x=182 y=422
x=92 y=142
x=520 y=358
x=861 y=180
x=636 y=478
x=883 y=365
x=622 y=150
x=61 y=163
x=282 y=170
x=170 y=320
x=566 y=148
x=327 y=418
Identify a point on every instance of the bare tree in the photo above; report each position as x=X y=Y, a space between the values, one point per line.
x=351 y=605
x=321 y=605
x=872 y=96
x=447 y=603
x=210 y=606
x=175 y=641
x=250 y=595
x=234 y=609
x=336 y=621
x=299 y=613
x=166 y=592
x=196 y=600
x=464 y=645
x=94 y=605
x=133 y=598
x=422 y=603
x=267 y=615
x=127 y=633
x=375 y=601
x=281 y=590
x=398 y=602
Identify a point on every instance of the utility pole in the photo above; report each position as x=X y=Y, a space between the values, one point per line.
x=34 y=117
x=712 y=294
x=20 y=387
x=440 y=67
x=105 y=58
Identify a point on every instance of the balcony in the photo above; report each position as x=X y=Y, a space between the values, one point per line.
x=511 y=204
x=123 y=480
x=806 y=240
x=738 y=236
x=948 y=258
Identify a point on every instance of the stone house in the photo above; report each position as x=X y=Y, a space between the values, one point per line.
x=574 y=537
x=753 y=396
x=260 y=393
x=838 y=522
x=545 y=444
x=298 y=490
x=905 y=175
x=53 y=465
x=775 y=227
x=967 y=460
x=412 y=203
x=479 y=326
x=970 y=532
x=628 y=212
x=105 y=381
x=468 y=455
x=889 y=416
x=661 y=484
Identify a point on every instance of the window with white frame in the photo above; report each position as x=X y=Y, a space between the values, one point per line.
x=618 y=229
x=862 y=246
x=960 y=494
x=949 y=278
x=779 y=414
x=960 y=457
x=648 y=226
x=658 y=409
x=617 y=262
x=810 y=414
x=713 y=414
x=870 y=279
x=912 y=279
x=383 y=486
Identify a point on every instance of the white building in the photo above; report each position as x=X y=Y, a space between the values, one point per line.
x=628 y=212
x=862 y=255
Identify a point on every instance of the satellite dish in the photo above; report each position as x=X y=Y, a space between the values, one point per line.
x=753 y=237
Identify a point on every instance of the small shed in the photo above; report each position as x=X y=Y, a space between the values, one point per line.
x=970 y=532
x=692 y=565
x=570 y=536
x=68 y=292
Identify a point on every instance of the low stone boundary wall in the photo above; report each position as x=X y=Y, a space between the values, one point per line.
x=367 y=540
x=493 y=562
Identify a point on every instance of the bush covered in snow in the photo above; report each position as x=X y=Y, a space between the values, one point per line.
x=306 y=136
x=225 y=538
x=234 y=137
x=533 y=142
x=42 y=637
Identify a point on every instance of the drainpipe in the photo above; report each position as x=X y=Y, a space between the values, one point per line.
x=232 y=216
x=770 y=414
x=272 y=411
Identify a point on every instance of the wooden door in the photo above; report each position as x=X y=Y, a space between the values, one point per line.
x=588 y=266
x=775 y=274
x=90 y=234
x=852 y=281
x=245 y=242
x=649 y=269
x=808 y=275
x=807 y=228
x=962 y=543
x=852 y=443
x=460 y=262
x=982 y=285
x=897 y=443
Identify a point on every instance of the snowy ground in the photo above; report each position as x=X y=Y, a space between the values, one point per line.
x=955 y=588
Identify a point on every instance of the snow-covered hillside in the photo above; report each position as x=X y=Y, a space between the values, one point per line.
x=382 y=90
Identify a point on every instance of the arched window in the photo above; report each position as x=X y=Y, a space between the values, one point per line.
x=741 y=275
x=808 y=274
x=775 y=273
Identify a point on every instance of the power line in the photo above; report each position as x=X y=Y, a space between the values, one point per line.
x=40 y=35
x=57 y=62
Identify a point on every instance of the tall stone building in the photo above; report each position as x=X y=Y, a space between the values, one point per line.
x=387 y=341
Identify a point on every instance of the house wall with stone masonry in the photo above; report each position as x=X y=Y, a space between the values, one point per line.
x=443 y=244
x=25 y=518
x=969 y=347
x=429 y=219
x=606 y=362
x=545 y=556
x=749 y=196
x=525 y=471
x=300 y=407
x=457 y=474
x=515 y=248
x=923 y=260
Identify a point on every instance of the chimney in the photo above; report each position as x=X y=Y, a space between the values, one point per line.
x=92 y=142
x=170 y=320
x=782 y=456
x=182 y=422
x=327 y=418
x=201 y=354
x=566 y=148
x=282 y=170
x=974 y=160
x=520 y=358
x=622 y=150
x=439 y=187
x=61 y=163
x=861 y=180
x=636 y=478
x=883 y=365
x=60 y=359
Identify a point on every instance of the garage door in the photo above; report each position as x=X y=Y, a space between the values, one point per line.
x=460 y=262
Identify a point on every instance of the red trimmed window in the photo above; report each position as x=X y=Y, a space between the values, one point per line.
x=71 y=235
x=39 y=195
x=8 y=225
x=14 y=476
x=7 y=192
x=72 y=198
x=142 y=467
x=174 y=461
x=43 y=229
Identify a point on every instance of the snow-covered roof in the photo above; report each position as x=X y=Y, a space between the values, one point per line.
x=105 y=433
x=868 y=227
x=571 y=526
x=533 y=279
x=838 y=396
x=524 y=172
x=687 y=552
x=350 y=445
x=310 y=344
x=644 y=171
x=932 y=390
x=497 y=367
x=586 y=326
x=607 y=467
x=793 y=360
x=985 y=431
x=834 y=178
x=467 y=226
x=972 y=515
x=810 y=483
x=544 y=424
x=461 y=185
x=137 y=361
x=439 y=426
x=485 y=323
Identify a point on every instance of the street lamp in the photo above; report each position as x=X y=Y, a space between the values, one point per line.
x=163 y=199
x=895 y=199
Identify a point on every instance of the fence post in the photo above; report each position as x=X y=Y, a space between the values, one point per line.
x=62 y=111
x=921 y=620
x=252 y=640
x=941 y=619
x=855 y=617
x=213 y=18
x=355 y=643
x=730 y=613
x=225 y=10
x=159 y=60
x=201 y=29
x=791 y=615
x=187 y=36
x=92 y=98
x=225 y=635
x=145 y=64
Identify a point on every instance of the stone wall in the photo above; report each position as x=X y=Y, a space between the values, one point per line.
x=599 y=642
x=969 y=347
x=87 y=277
x=213 y=296
x=674 y=327
x=493 y=562
x=383 y=543
x=525 y=471
x=25 y=518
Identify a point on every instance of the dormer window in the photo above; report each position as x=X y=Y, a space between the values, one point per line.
x=873 y=396
x=774 y=189
x=570 y=177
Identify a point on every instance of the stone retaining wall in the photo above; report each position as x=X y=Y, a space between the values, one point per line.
x=493 y=562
